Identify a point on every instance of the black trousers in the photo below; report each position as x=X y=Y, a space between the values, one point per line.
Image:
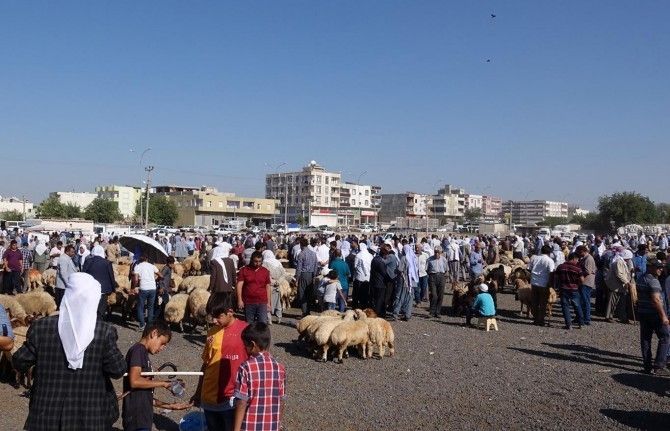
x=11 y=282
x=361 y=297
x=380 y=302
x=436 y=289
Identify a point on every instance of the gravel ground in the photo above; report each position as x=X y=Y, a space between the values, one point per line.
x=447 y=376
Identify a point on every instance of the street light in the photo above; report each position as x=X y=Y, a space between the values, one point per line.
x=141 y=180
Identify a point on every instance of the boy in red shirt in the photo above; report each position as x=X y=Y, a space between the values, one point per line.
x=224 y=352
x=254 y=289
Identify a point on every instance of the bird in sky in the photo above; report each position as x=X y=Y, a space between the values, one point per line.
x=488 y=60
x=493 y=15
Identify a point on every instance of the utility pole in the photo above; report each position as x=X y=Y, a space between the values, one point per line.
x=23 y=198
x=285 y=202
x=148 y=169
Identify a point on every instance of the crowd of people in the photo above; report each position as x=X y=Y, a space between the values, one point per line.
x=243 y=386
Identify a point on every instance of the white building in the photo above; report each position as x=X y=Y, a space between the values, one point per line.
x=126 y=196
x=314 y=196
x=530 y=213
x=449 y=202
x=80 y=199
x=474 y=201
x=15 y=204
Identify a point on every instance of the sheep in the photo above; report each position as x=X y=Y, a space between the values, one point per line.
x=14 y=308
x=34 y=279
x=369 y=312
x=285 y=292
x=197 y=303
x=350 y=333
x=124 y=260
x=380 y=334
x=121 y=270
x=178 y=269
x=122 y=281
x=303 y=325
x=175 y=282
x=193 y=282
x=192 y=264
x=37 y=303
x=281 y=254
x=117 y=299
x=524 y=295
x=175 y=309
x=331 y=313
x=49 y=277
x=324 y=327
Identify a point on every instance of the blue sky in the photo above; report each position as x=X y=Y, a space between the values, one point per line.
x=573 y=104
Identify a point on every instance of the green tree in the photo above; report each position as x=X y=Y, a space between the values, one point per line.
x=663 y=212
x=103 y=211
x=620 y=209
x=472 y=214
x=162 y=210
x=12 y=215
x=553 y=221
x=51 y=207
x=71 y=211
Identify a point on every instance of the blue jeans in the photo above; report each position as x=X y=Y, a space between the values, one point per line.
x=330 y=305
x=341 y=304
x=571 y=297
x=420 y=291
x=585 y=297
x=148 y=296
x=254 y=312
x=223 y=420
x=650 y=324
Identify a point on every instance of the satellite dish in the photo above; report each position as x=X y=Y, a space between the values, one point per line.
x=313 y=162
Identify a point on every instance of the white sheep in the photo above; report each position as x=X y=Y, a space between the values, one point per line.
x=350 y=333
x=37 y=303
x=175 y=309
x=322 y=329
x=15 y=310
x=197 y=303
x=380 y=334
x=188 y=284
x=175 y=282
x=49 y=277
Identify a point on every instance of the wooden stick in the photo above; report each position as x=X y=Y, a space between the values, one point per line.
x=169 y=373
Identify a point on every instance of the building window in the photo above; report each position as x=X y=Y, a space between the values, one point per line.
x=318 y=189
x=367 y=203
x=327 y=178
x=367 y=192
x=220 y=204
x=318 y=179
x=208 y=204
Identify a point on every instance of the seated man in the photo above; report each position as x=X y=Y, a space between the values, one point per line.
x=483 y=305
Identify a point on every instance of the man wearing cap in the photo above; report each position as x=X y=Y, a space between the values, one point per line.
x=483 y=305
x=653 y=319
x=436 y=267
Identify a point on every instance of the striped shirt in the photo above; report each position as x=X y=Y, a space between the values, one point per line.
x=261 y=382
x=306 y=262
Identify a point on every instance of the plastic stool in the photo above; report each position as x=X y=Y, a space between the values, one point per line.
x=487 y=322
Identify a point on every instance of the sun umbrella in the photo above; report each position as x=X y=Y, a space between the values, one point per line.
x=149 y=247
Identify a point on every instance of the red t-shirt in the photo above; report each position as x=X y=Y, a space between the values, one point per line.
x=233 y=353
x=254 y=289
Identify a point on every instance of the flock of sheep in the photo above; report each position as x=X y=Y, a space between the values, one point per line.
x=355 y=328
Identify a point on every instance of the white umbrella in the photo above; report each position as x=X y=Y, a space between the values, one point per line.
x=148 y=246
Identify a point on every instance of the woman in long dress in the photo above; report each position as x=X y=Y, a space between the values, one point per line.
x=409 y=273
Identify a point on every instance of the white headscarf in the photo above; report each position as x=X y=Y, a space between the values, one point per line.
x=273 y=265
x=98 y=251
x=412 y=265
x=84 y=255
x=345 y=248
x=40 y=248
x=218 y=254
x=78 y=315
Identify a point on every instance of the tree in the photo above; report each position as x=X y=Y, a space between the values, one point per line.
x=472 y=214
x=51 y=207
x=103 y=211
x=12 y=215
x=162 y=210
x=71 y=211
x=620 y=209
x=663 y=212
x=553 y=221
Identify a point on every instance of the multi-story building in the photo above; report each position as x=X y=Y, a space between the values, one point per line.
x=80 y=199
x=317 y=197
x=529 y=213
x=449 y=202
x=126 y=197
x=206 y=206
x=409 y=205
x=15 y=204
x=575 y=210
x=474 y=201
x=491 y=207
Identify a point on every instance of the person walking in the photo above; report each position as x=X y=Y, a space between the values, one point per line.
x=422 y=261
x=74 y=356
x=12 y=260
x=436 y=267
x=305 y=271
x=27 y=263
x=361 y=297
x=653 y=319
x=343 y=274
x=541 y=268
x=254 y=290
x=378 y=278
x=589 y=269
x=409 y=282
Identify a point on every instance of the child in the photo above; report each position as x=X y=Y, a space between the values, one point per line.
x=224 y=352
x=259 y=401
x=138 y=401
x=332 y=291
